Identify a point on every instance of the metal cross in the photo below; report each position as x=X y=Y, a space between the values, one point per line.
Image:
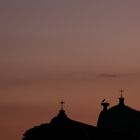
x=121 y=93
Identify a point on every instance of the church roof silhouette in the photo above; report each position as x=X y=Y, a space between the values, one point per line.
x=118 y=122
x=60 y=127
x=119 y=118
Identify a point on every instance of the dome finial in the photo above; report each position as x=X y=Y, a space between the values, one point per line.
x=62 y=105
x=121 y=99
x=121 y=93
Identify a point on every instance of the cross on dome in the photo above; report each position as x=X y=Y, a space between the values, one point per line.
x=121 y=92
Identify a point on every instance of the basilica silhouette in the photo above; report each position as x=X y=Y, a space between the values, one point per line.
x=119 y=122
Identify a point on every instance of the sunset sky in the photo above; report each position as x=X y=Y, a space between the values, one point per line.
x=81 y=51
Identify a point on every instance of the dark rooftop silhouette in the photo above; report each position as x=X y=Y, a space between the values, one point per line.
x=118 y=122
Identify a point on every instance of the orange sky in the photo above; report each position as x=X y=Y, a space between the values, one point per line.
x=81 y=51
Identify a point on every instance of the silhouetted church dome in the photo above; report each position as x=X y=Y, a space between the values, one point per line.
x=61 y=127
x=65 y=128
x=119 y=118
x=61 y=118
x=117 y=123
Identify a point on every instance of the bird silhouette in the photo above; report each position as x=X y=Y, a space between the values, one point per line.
x=103 y=100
